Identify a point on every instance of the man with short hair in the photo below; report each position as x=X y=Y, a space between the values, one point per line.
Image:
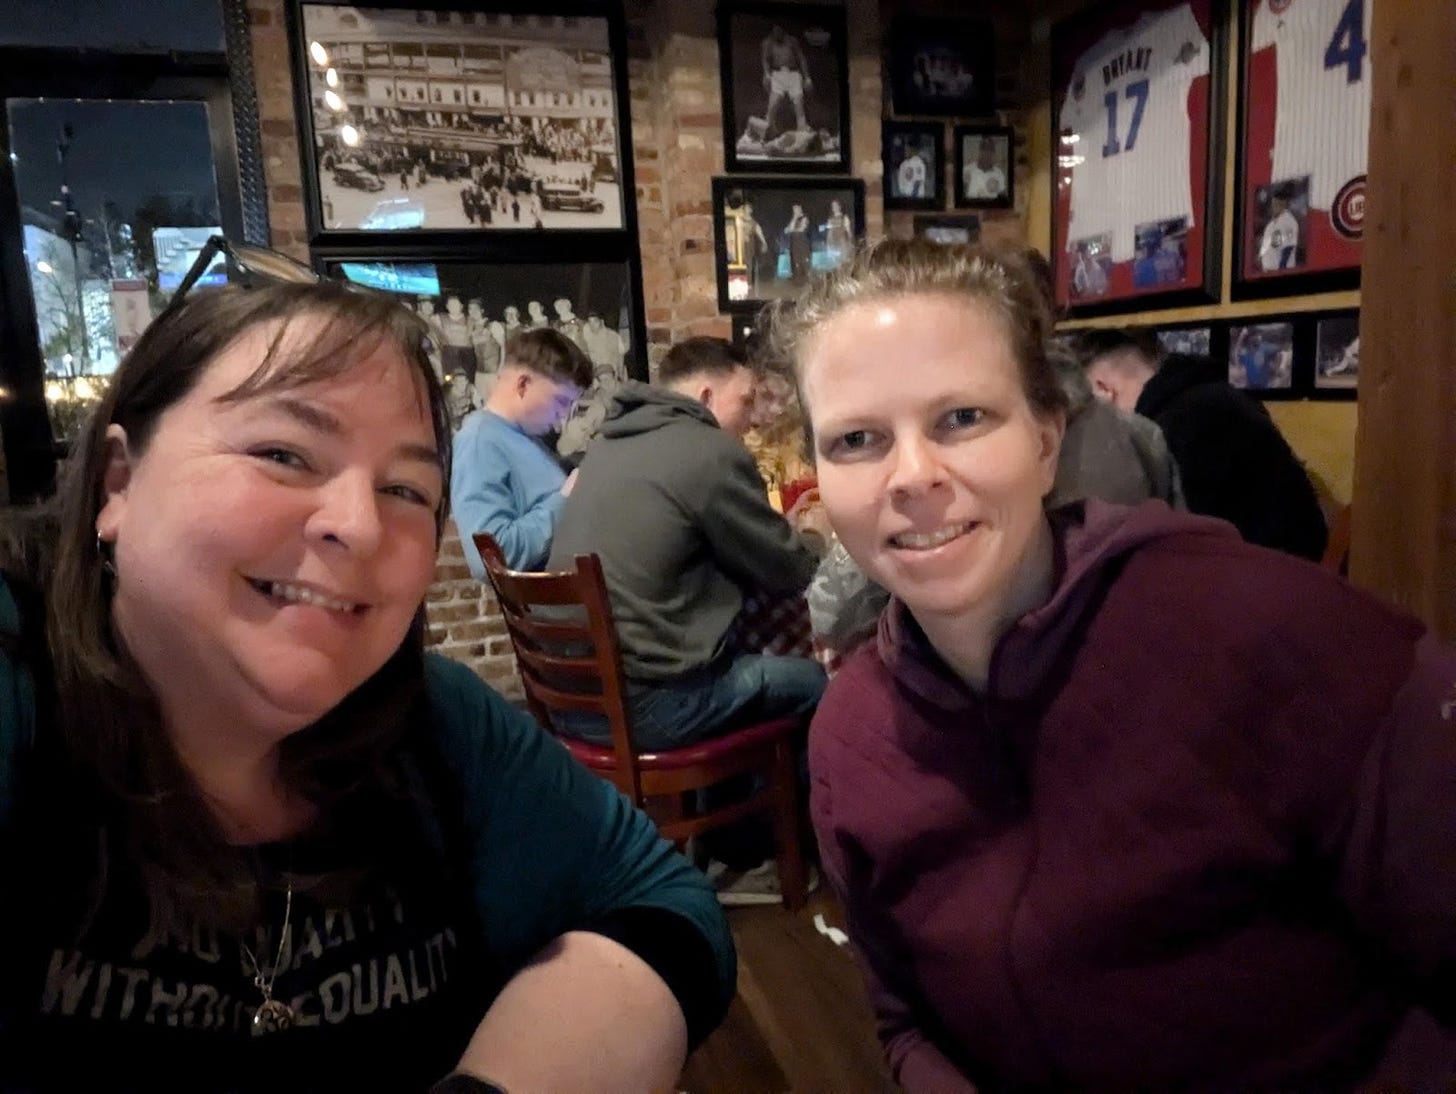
x=504 y=480
x=983 y=179
x=1234 y=462
x=671 y=502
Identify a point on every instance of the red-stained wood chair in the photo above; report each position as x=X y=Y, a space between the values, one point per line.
x=1337 y=547
x=570 y=661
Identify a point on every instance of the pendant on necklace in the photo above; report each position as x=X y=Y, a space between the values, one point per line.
x=272 y=1017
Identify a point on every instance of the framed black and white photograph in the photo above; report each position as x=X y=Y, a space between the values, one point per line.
x=914 y=155
x=773 y=235
x=473 y=308
x=428 y=119
x=1337 y=355
x=785 y=87
x=1261 y=357
x=1191 y=341
x=985 y=168
x=950 y=229
x=945 y=67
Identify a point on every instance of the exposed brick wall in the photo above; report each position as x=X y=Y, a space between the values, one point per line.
x=677 y=147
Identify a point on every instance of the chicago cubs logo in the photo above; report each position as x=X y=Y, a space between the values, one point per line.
x=1279 y=7
x=1347 y=213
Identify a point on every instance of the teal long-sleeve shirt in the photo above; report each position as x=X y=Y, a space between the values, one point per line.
x=504 y=482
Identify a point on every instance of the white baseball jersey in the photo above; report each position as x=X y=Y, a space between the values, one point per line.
x=1323 y=60
x=1280 y=234
x=912 y=176
x=1128 y=106
x=983 y=185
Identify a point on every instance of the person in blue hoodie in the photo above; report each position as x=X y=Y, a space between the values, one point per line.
x=505 y=481
x=252 y=836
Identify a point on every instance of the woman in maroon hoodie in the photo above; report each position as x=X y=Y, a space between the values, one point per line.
x=1115 y=801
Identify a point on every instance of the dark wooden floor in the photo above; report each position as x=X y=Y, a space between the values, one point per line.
x=800 y=1021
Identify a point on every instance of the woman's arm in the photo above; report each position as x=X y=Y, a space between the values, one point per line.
x=586 y=1015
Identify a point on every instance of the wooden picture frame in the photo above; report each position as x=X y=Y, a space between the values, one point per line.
x=943 y=67
x=1137 y=158
x=1303 y=135
x=785 y=76
x=772 y=234
x=491 y=120
x=914 y=164
x=985 y=166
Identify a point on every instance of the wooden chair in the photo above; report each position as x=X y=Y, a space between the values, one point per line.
x=570 y=661
x=1337 y=547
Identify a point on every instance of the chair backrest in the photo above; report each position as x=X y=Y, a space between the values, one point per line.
x=566 y=646
x=1337 y=548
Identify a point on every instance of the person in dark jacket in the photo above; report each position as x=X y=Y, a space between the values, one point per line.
x=1115 y=801
x=1234 y=462
x=671 y=501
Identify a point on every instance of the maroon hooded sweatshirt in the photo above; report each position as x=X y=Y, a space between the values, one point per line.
x=1199 y=832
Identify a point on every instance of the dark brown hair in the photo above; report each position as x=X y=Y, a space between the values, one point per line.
x=107 y=716
x=550 y=354
x=700 y=354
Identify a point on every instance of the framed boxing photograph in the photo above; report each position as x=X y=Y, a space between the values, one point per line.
x=1304 y=127
x=914 y=156
x=944 y=67
x=985 y=166
x=785 y=75
x=1137 y=157
x=774 y=234
x=494 y=119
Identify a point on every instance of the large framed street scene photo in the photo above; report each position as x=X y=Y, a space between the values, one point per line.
x=1138 y=90
x=473 y=308
x=785 y=87
x=1303 y=136
x=457 y=120
x=773 y=235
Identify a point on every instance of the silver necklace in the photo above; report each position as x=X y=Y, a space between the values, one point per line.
x=272 y=1015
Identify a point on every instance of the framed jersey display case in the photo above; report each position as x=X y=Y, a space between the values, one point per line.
x=1138 y=91
x=1303 y=137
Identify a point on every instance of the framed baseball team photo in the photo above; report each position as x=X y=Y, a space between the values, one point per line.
x=774 y=234
x=985 y=166
x=1304 y=126
x=785 y=75
x=914 y=155
x=458 y=120
x=1138 y=100
x=944 y=67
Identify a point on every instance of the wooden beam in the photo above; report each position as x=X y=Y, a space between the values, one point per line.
x=1403 y=542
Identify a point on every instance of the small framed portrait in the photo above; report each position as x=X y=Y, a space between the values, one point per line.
x=950 y=229
x=1303 y=135
x=426 y=120
x=944 y=67
x=985 y=171
x=1261 y=357
x=1337 y=355
x=1137 y=161
x=472 y=308
x=785 y=87
x=775 y=234
x=914 y=165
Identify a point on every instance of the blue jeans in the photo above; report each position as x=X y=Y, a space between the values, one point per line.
x=674 y=713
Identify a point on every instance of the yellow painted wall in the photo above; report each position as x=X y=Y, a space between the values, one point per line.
x=1322 y=434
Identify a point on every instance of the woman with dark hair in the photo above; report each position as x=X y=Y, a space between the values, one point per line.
x=1114 y=800
x=253 y=837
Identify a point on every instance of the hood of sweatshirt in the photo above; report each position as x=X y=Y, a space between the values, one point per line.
x=1177 y=374
x=641 y=408
x=1091 y=541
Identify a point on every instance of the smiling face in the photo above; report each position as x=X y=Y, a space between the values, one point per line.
x=932 y=463
x=271 y=550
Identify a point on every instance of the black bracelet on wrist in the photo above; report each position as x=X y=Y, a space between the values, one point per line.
x=457 y=1082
